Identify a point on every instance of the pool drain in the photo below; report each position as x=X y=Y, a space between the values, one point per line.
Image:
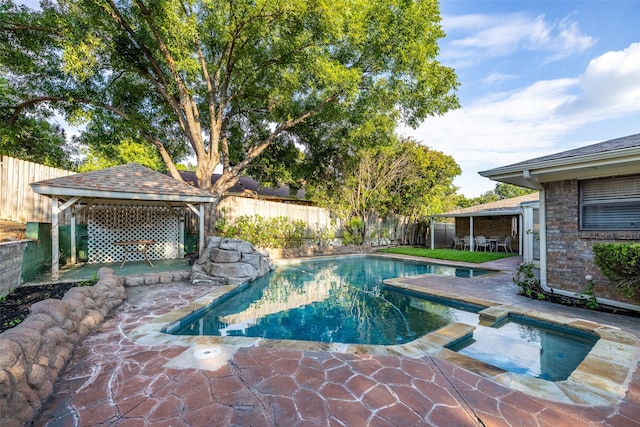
x=207 y=353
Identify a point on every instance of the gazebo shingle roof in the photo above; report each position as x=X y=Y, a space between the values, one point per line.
x=131 y=179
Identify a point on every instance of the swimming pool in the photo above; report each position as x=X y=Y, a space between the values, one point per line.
x=344 y=301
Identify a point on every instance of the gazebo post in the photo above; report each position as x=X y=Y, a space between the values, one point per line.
x=181 y=237
x=201 y=230
x=73 y=235
x=55 y=239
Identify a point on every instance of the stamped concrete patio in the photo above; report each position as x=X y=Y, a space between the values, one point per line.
x=115 y=379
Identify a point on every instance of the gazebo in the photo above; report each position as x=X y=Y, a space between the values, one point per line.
x=128 y=202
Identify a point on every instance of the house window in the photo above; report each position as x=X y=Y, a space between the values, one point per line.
x=610 y=204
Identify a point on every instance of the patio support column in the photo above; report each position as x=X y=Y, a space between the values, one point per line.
x=520 y=235
x=471 y=239
x=55 y=239
x=433 y=232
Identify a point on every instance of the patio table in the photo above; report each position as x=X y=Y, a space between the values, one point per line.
x=135 y=246
x=493 y=244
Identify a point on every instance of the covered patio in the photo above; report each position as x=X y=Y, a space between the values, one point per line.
x=124 y=204
x=495 y=221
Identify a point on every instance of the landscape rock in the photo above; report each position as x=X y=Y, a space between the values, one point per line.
x=230 y=261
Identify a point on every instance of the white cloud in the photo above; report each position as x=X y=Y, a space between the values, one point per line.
x=476 y=38
x=570 y=41
x=610 y=85
x=498 y=77
x=507 y=127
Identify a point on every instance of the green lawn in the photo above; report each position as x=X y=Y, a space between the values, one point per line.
x=450 y=254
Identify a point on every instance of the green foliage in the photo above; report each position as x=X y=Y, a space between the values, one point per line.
x=500 y=192
x=88 y=282
x=263 y=232
x=323 y=235
x=232 y=80
x=353 y=232
x=620 y=262
x=590 y=292
x=126 y=151
x=527 y=282
x=26 y=40
x=11 y=323
x=392 y=177
x=30 y=136
x=448 y=254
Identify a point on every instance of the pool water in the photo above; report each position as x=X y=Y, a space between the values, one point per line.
x=344 y=300
x=524 y=346
x=341 y=300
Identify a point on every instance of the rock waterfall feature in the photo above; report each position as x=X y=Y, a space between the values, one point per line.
x=228 y=262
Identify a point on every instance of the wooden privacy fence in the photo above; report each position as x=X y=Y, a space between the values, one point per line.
x=233 y=207
x=18 y=202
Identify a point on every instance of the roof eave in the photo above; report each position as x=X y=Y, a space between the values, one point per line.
x=598 y=159
x=505 y=212
x=76 y=192
x=601 y=163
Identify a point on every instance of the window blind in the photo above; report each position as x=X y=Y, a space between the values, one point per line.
x=612 y=203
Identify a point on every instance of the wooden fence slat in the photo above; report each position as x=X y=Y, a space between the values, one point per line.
x=18 y=202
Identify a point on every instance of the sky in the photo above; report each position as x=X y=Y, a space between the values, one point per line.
x=537 y=77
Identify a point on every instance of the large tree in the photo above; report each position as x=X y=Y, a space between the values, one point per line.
x=392 y=177
x=30 y=136
x=230 y=78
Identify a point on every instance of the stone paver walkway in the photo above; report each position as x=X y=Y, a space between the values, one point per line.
x=113 y=381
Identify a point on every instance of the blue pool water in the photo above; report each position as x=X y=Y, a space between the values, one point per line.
x=344 y=300
x=525 y=346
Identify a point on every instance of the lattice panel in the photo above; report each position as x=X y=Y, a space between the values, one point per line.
x=110 y=223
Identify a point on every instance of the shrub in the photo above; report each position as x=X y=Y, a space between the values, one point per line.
x=264 y=232
x=352 y=234
x=620 y=262
x=527 y=281
x=324 y=234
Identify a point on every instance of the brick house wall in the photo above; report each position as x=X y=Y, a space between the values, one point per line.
x=569 y=250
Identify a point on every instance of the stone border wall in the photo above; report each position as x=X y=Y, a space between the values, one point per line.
x=311 y=251
x=33 y=354
x=10 y=265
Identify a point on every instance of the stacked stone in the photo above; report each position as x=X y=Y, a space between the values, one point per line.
x=33 y=353
x=156 y=278
x=230 y=262
x=10 y=265
x=310 y=251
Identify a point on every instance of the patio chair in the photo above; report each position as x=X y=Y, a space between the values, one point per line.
x=467 y=242
x=506 y=244
x=458 y=242
x=481 y=242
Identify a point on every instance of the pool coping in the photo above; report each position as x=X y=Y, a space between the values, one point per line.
x=602 y=378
